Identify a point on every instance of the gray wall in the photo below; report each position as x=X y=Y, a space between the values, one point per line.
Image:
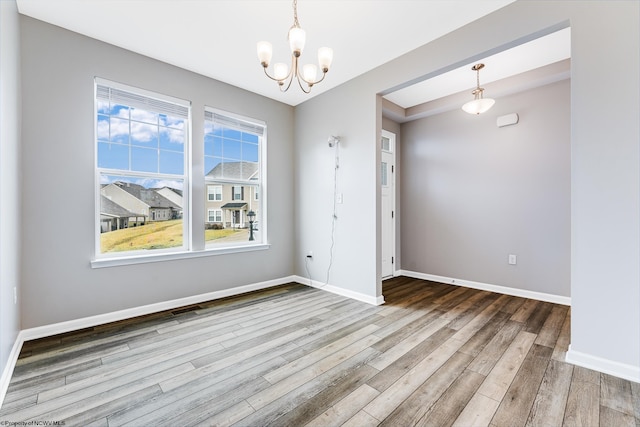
x=474 y=193
x=58 y=283
x=9 y=177
x=342 y=111
x=605 y=148
x=58 y=157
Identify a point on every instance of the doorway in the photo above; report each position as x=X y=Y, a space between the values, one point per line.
x=388 y=202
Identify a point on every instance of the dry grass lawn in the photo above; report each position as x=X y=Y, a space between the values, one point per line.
x=155 y=235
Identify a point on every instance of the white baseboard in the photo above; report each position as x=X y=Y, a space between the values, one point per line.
x=617 y=369
x=340 y=291
x=87 y=322
x=101 y=319
x=8 y=369
x=540 y=296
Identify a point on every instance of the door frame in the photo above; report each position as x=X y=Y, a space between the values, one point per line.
x=392 y=176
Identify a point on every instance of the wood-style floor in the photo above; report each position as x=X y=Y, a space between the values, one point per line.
x=434 y=355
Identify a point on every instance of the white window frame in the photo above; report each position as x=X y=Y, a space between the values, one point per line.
x=216 y=213
x=193 y=247
x=149 y=101
x=247 y=124
x=214 y=190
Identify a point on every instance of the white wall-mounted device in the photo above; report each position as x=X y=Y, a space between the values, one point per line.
x=507 y=120
x=333 y=140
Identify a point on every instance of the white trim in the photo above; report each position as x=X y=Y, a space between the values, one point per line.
x=87 y=322
x=140 y=91
x=9 y=367
x=100 y=319
x=540 y=296
x=617 y=369
x=393 y=182
x=379 y=300
x=185 y=177
x=156 y=257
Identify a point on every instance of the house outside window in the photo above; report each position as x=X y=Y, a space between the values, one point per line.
x=233 y=150
x=142 y=144
x=143 y=168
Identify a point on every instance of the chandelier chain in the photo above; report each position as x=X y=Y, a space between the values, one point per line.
x=295 y=14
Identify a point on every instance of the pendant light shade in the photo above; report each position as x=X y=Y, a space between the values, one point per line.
x=478 y=106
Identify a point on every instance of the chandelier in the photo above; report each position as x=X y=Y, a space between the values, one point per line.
x=281 y=72
x=480 y=104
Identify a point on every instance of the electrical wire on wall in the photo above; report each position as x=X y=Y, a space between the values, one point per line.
x=333 y=143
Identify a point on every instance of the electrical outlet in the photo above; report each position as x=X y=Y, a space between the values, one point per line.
x=513 y=260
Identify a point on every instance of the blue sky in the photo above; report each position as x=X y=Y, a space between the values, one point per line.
x=133 y=139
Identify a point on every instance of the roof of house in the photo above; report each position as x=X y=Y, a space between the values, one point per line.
x=110 y=208
x=147 y=195
x=175 y=190
x=237 y=205
x=234 y=170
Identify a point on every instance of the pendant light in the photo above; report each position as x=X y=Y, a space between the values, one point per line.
x=480 y=104
x=285 y=75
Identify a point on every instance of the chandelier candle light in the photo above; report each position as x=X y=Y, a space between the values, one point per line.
x=281 y=72
x=480 y=104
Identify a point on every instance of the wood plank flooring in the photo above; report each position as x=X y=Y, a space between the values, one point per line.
x=433 y=355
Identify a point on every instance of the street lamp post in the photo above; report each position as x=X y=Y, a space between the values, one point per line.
x=251 y=215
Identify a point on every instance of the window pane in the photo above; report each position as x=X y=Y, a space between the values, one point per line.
x=170 y=121
x=120 y=111
x=217 y=146
x=249 y=137
x=171 y=162
x=144 y=159
x=144 y=116
x=134 y=214
x=142 y=211
x=383 y=174
x=102 y=128
x=144 y=135
x=119 y=130
x=113 y=156
x=385 y=144
x=172 y=139
x=232 y=149
x=208 y=145
x=232 y=156
x=231 y=133
x=102 y=106
x=250 y=152
x=211 y=167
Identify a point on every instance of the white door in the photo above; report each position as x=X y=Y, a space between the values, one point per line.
x=388 y=202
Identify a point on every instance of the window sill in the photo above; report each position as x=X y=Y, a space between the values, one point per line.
x=171 y=256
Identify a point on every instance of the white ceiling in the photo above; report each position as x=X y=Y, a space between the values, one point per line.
x=217 y=38
x=537 y=53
